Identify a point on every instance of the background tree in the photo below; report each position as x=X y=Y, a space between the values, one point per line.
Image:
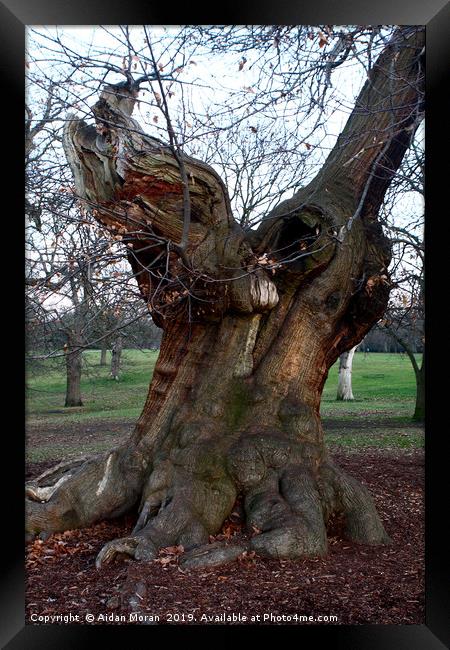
x=117 y=347
x=74 y=271
x=404 y=319
x=252 y=318
x=116 y=354
x=344 y=389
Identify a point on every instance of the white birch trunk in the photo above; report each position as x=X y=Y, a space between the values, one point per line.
x=344 y=391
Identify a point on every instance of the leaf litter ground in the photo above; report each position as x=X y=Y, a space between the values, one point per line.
x=357 y=584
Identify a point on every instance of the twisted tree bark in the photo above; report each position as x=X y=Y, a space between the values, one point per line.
x=252 y=322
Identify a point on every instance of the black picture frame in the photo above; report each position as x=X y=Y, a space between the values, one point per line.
x=15 y=15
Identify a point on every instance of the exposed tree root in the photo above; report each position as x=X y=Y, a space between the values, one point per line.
x=289 y=493
x=81 y=492
x=352 y=499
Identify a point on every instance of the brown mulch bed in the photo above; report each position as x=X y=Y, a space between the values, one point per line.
x=358 y=584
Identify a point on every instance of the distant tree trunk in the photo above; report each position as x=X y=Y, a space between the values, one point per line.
x=103 y=354
x=344 y=389
x=73 y=354
x=234 y=403
x=116 y=353
x=419 y=373
x=419 y=411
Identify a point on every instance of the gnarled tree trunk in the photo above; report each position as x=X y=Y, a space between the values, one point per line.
x=252 y=322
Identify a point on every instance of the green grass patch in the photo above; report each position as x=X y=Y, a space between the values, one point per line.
x=380 y=416
x=102 y=397
x=378 y=438
x=58 y=452
x=382 y=383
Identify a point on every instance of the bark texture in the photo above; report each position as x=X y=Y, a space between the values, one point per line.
x=252 y=321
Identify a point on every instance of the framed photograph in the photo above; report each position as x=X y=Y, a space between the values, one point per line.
x=227 y=399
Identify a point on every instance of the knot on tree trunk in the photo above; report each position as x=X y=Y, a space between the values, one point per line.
x=252 y=292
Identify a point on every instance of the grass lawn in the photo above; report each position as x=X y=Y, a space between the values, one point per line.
x=384 y=389
x=102 y=397
x=380 y=415
x=384 y=383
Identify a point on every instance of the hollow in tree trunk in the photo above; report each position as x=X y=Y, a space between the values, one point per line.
x=251 y=324
x=344 y=389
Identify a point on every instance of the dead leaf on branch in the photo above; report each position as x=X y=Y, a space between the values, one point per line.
x=373 y=281
x=323 y=40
